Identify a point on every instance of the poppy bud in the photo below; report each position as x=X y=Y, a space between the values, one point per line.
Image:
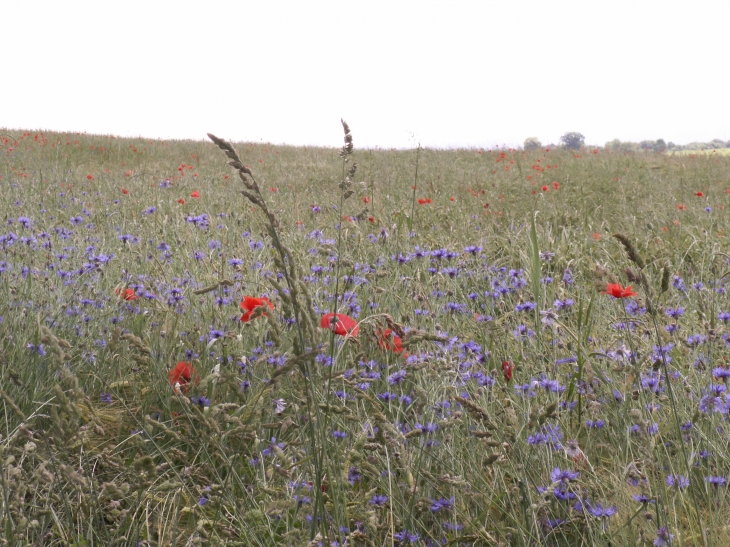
x=507 y=370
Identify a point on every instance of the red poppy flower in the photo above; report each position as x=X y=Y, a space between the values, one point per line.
x=90 y=177
x=699 y=194
x=181 y=201
x=556 y=185
x=183 y=373
x=195 y=194
x=366 y=199
x=507 y=370
x=250 y=303
x=617 y=291
x=390 y=341
x=125 y=191
x=545 y=188
x=128 y=294
x=339 y=323
x=371 y=219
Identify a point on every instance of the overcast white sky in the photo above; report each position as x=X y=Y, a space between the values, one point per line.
x=446 y=73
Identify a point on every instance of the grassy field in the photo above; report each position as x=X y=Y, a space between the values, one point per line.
x=502 y=385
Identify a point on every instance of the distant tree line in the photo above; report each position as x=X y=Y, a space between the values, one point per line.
x=571 y=141
x=576 y=141
x=660 y=145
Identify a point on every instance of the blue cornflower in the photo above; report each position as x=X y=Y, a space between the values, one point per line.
x=677 y=481
x=550 y=385
x=522 y=332
x=548 y=317
x=215 y=334
x=443 y=503
x=562 y=493
x=354 y=475
x=525 y=306
x=659 y=354
x=643 y=498
x=678 y=284
x=546 y=256
x=397 y=377
x=404 y=535
x=269 y=449
x=428 y=429
x=548 y=434
x=525 y=389
x=695 y=339
x=721 y=373
x=378 y=500
x=716 y=481
x=202 y=401
x=563 y=475
x=599 y=511
x=663 y=537
x=674 y=313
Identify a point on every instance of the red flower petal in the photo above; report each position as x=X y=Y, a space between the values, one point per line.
x=339 y=323
x=617 y=291
x=250 y=303
x=384 y=341
x=128 y=294
x=183 y=373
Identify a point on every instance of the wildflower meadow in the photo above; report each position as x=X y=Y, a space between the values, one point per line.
x=214 y=343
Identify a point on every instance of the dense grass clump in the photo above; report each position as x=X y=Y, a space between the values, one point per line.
x=530 y=348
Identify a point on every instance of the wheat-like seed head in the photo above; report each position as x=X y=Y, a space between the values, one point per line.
x=631 y=250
